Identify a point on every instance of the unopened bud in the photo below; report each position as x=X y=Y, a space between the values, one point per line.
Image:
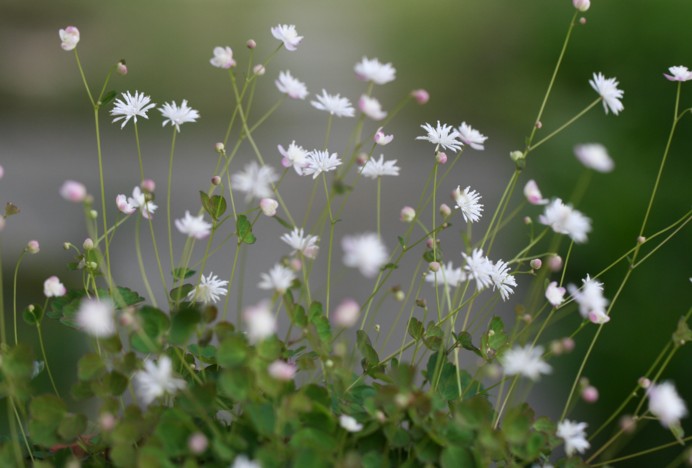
x=582 y=20
x=527 y=220
x=219 y=147
x=148 y=185
x=421 y=303
x=88 y=244
x=590 y=394
x=361 y=159
x=216 y=180
x=400 y=296
x=441 y=158
x=408 y=214
x=92 y=265
x=377 y=328
x=539 y=124
x=516 y=155
x=536 y=264
x=445 y=210
x=581 y=5
x=568 y=344
x=555 y=263
x=421 y=96
x=434 y=266
x=93 y=214
x=628 y=424
x=329 y=363
x=66 y=245
x=259 y=70
x=197 y=443
x=644 y=382
x=295 y=264
x=641 y=240
x=121 y=68
x=33 y=247
x=346 y=314
x=251 y=44
x=107 y=422
x=269 y=206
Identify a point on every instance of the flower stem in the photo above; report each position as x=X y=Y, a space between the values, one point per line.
x=14 y=294
x=45 y=359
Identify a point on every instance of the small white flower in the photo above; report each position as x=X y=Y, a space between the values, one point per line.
x=288 y=35
x=69 y=37
x=371 y=107
x=260 y=321
x=594 y=156
x=679 y=73
x=381 y=138
x=305 y=244
x=452 y=277
x=241 y=461
x=443 y=135
x=279 y=279
x=295 y=156
x=574 y=435
x=255 y=181
x=377 y=168
x=176 y=116
x=334 y=104
x=290 y=86
x=467 y=202
x=472 y=137
x=73 y=191
x=349 y=423
x=533 y=193
x=365 y=252
x=666 y=404
x=564 y=219
x=346 y=313
x=373 y=70
x=123 y=205
x=138 y=200
x=502 y=280
x=282 y=370
x=555 y=294
x=526 y=361
x=479 y=268
x=592 y=304
x=318 y=162
x=131 y=106
x=223 y=57
x=581 y=5
x=52 y=287
x=208 y=290
x=97 y=318
x=156 y=379
x=607 y=88
x=193 y=226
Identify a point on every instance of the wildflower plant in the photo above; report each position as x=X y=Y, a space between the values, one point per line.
x=312 y=375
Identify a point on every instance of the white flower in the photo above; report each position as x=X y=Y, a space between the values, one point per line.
x=52 y=287
x=479 y=268
x=137 y=200
x=295 y=156
x=377 y=168
x=288 y=35
x=574 y=435
x=592 y=304
x=381 y=138
x=452 y=277
x=555 y=294
x=533 y=193
x=594 y=156
x=241 y=461
x=349 y=423
x=282 y=370
x=223 y=57
x=502 y=280
x=373 y=70
x=443 y=135
x=334 y=104
x=472 y=137
x=123 y=205
x=346 y=313
x=255 y=181
x=371 y=107
x=73 y=191
x=294 y=88
x=564 y=219
x=269 y=206
x=69 y=37
x=607 y=88
x=260 y=321
x=193 y=226
x=318 y=162
x=96 y=317
x=365 y=252
x=467 y=202
x=208 y=290
x=131 y=107
x=666 y=404
x=156 y=380
x=526 y=361
x=581 y=5
x=176 y=116
x=279 y=279
x=679 y=73
x=305 y=244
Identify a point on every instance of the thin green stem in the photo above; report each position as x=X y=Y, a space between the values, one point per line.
x=168 y=201
x=14 y=293
x=565 y=125
x=45 y=359
x=643 y=452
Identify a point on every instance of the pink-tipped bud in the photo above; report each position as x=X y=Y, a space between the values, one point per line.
x=421 y=96
x=644 y=382
x=641 y=240
x=628 y=424
x=568 y=344
x=282 y=370
x=295 y=264
x=536 y=264
x=269 y=206
x=73 y=191
x=219 y=147
x=555 y=263
x=381 y=138
x=556 y=347
x=589 y=394
x=259 y=69
x=346 y=313
x=216 y=180
x=581 y=5
x=88 y=244
x=441 y=158
x=361 y=159
x=107 y=422
x=121 y=68
x=434 y=266
x=582 y=20
x=251 y=44
x=445 y=210
x=33 y=247
x=148 y=185
x=539 y=124
x=197 y=443
x=429 y=243
x=408 y=214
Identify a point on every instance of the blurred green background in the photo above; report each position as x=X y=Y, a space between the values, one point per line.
x=486 y=62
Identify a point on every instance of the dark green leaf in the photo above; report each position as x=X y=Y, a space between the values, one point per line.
x=243 y=229
x=72 y=426
x=90 y=366
x=183 y=325
x=181 y=292
x=495 y=340
x=432 y=256
x=366 y=350
x=182 y=273
x=415 y=328
x=108 y=97
x=154 y=323
x=464 y=339
x=402 y=242
x=233 y=351
x=262 y=417
x=33 y=314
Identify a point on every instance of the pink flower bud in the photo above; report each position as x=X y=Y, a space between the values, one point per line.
x=259 y=69
x=445 y=210
x=219 y=147
x=434 y=266
x=148 y=185
x=251 y=44
x=69 y=37
x=582 y=20
x=644 y=382
x=346 y=314
x=568 y=344
x=628 y=424
x=421 y=96
x=361 y=159
x=533 y=194
x=539 y=124
x=641 y=240
x=269 y=206
x=381 y=138
x=441 y=158
x=197 y=443
x=295 y=264
x=88 y=244
x=536 y=264
x=216 y=180
x=2 y=222
x=282 y=370
x=33 y=247
x=555 y=263
x=52 y=287
x=581 y=5
x=107 y=422
x=121 y=68
x=590 y=394
x=408 y=214
x=73 y=191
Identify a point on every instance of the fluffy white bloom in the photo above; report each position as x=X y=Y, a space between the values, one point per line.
x=69 y=37
x=176 y=116
x=472 y=137
x=679 y=73
x=592 y=304
x=295 y=156
x=288 y=35
x=156 y=379
x=371 y=107
x=452 y=277
x=137 y=200
x=564 y=219
x=290 y=86
x=318 y=162
x=607 y=88
x=377 y=168
x=305 y=244
x=555 y=294
x=255 y=181
x=581 y=5
x=241 y=461
x=223 y=57
x=52 y=287
x=443 y=135
x=502 y=280
x=260 y=321
x=381 y=138
x=373 y=70
x=365 y=252
x=525 y=361
x=282 y=370
x=97 y=318
x=334 y=104
x=479 y=268
x=346 y=313
x=193 y=226
x=533 y=193
x=594 y=156
x=208 y=290
x=666 y=404
x=349 y=423
x=467 y=202
x=131 y=106
x=574 y=435
x=279 y=279
x=73 y=191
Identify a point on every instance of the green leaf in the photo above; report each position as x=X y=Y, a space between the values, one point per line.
x=454 y=457
x=181 y=292
x=47 y=409
x=108 y=97
x=123 y=297
x=319 y=321
x=72 y=426
x=464 y=339
x=283 y=222
x=243 y=229
x=215 y=206
x=90 y=366
x=262 y=417
x=432 y=255
x=433 y=337
x=683 y=333
x=232 y=352
x=173 y=431
x=154 y=323
x=309 y=437
x=33 y=314
x=517 y=424
x=495 y=340
x=203 y=353
x=180 y=274
x=115 y=383
x=183 y=325
x=402 y=242
x=366 y=350
x=298 y=316
x=415 y=328
x=442 y=374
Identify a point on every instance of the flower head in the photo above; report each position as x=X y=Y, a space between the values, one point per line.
x=318 y=162
x=581 y=5
x=564 y=219
x=502 y=279
x=371 y=107
x=139 y=200
x=241 y=461
x=446 y=275
x=305 y=244
x=594 y=156
x=479 y=268
x=365 y=252
x=295 y=156
x=176 y=116
x=255 y=181
x=607 y=88
x=123 y=205
x=290 y=86
x=269 y=206
x=334 y=104
x=381 y=138
x=375 y=168
x=679 y=73
x=373 y=70
x=443 y=135
x=574 y=435
x=592 y=304
x=52 y=287
x=525 y=361
x=208 y=290
x=69 y=37
x=666 y=404
x=533 y=193
x=282 y=370
x=73 y=191
x=279 y=279
x=156 y=379
x=260 y=321
x=96 y=317
x=555 y=294
x=346 y=313
x=349 y=423
x=193 y=226
x=131 y=106
x=472 y=137
x=467 y=202
x=288 y=35
x=223 y=57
